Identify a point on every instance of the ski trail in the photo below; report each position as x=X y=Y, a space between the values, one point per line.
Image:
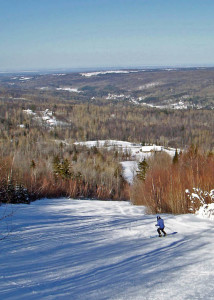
x=95 y=250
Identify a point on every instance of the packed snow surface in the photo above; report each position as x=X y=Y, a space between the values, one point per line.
x=85 y=249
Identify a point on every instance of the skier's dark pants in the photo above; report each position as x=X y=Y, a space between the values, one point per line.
x=159 y=231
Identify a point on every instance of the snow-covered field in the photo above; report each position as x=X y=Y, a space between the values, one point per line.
x=90 y=74
x=68 y=89
x=137 y=152
x=82 y=249
x=45 y=116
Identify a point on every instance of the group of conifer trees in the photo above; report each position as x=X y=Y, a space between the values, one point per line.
x=68 y=170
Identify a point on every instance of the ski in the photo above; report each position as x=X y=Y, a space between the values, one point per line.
x=167 y=235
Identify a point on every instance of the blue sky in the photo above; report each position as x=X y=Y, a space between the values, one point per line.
x=37 y=34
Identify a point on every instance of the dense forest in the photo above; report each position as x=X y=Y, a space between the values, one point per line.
x=39 y=158
x=174 y=128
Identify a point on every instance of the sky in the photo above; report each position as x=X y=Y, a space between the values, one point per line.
x=48 y=34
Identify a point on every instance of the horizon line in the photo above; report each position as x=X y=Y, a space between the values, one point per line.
x=103 y=68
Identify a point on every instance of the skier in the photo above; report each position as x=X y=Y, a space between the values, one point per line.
x=160 y=224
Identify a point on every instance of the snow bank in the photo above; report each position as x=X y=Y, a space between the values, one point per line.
x=206 y=211
x=198 y=197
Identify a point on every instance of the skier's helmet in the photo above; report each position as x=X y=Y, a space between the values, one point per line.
x=158 y=217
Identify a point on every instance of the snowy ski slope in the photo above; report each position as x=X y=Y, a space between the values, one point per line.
x=85 y=249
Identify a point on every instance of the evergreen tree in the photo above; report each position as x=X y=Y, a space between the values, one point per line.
x=142 y=169
x=65 y=167
x=75 y=157
x=56 y=165
x=33 y=164
x=61 y=168
x=175 y=158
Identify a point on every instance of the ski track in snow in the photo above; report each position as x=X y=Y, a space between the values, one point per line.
x=87 y=249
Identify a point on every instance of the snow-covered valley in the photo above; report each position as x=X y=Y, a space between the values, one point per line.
x=86 y=249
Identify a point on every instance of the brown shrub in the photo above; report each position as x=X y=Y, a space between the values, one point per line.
x=164 y=187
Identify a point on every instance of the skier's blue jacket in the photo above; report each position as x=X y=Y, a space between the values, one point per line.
x=160 y=223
